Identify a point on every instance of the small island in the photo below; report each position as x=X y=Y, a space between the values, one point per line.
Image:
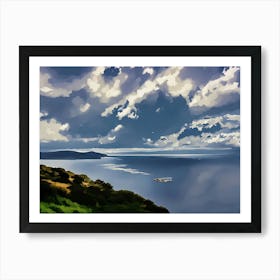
x=63 y=191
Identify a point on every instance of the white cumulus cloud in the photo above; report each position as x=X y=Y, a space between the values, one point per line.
x=219 y=92
x=80 y=106
x=148 y=71
x=50 y=130
x=118 y=128
x=94 y=82
x=229 y=138
x=85 y=107
x=111 y=136
x=169 y=79
x=225 y=136
x=102 y=89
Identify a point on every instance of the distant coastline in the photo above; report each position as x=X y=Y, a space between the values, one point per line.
x=71 y=155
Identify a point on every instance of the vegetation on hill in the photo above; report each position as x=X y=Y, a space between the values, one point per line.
x=63 y=191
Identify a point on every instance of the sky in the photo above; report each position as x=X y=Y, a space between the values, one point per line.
x=152 y=108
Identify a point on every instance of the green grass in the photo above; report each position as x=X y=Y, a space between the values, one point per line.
x=63 y=205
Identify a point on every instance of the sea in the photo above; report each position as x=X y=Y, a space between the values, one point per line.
x=201 y=183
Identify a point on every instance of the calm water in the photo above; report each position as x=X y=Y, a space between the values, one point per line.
x=201 y=184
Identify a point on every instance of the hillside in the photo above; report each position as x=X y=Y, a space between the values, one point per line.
x=63 y=191
x=71 y=155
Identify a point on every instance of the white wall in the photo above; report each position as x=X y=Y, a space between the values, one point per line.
x=139 y=256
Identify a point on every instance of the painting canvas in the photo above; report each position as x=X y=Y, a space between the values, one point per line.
x=140 y=139
x=125 y=137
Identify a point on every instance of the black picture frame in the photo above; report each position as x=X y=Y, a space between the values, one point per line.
x=254 y=52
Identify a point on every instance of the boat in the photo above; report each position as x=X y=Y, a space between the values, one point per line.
x=163 y=179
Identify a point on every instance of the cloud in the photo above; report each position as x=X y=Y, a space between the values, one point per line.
x=230 y=138
x=43 y=114
x=62 y=89
x=46 y=89
x=163 y=121
x=148 y=141
x=50 y=130
x=168 y=79
x=175 y=85
x=224 y=135
x=205 y=139
x=84 y=107
x=111 y=136
x=219 y=92
x=117 y=128
x=148 y=71
x=127 y=104
x=170 y=140
x=107 y=139
x=80 y=105
x=225 y=121
x=87 y=139
x=105 y=90
x=93 y=81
